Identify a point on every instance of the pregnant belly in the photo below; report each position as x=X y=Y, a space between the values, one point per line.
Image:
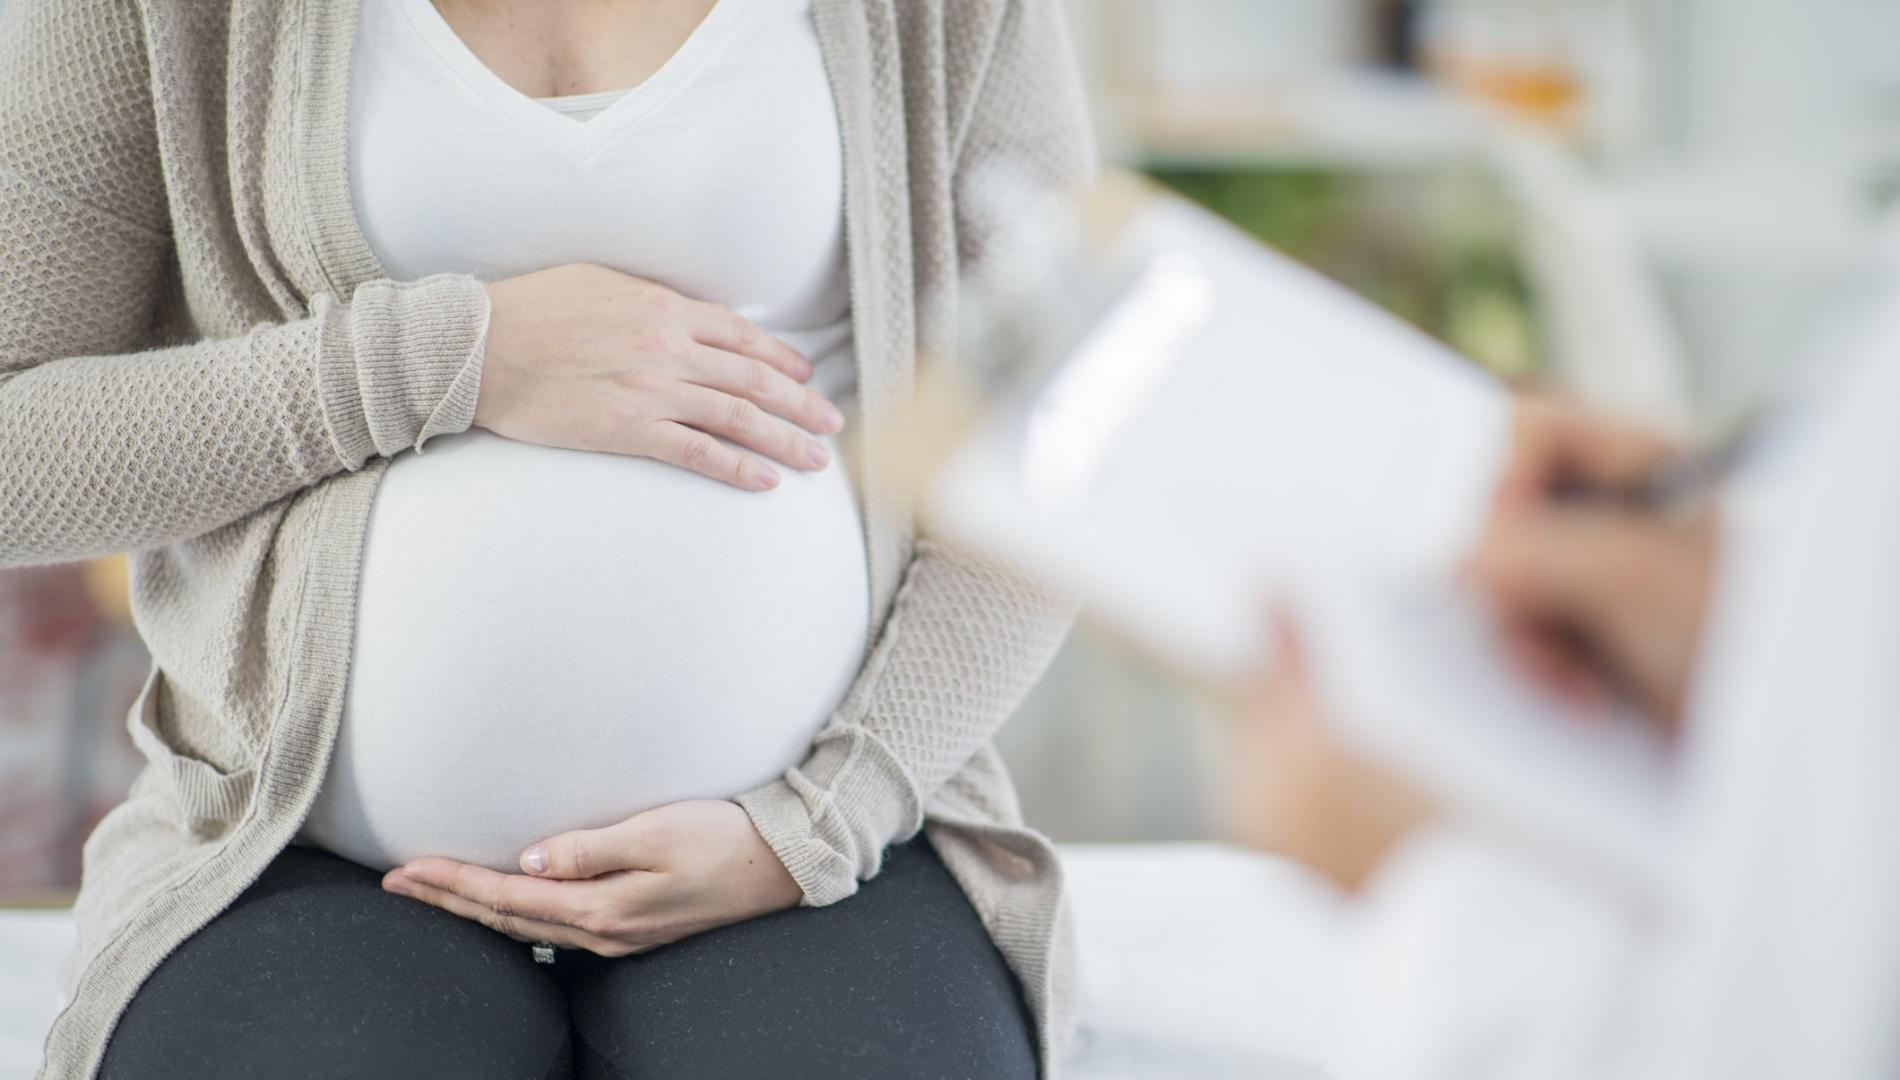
x=549 y=640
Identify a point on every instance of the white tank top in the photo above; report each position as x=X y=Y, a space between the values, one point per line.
x=551 y=639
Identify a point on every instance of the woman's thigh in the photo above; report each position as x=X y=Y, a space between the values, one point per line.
x=316 y=971
x=900 y=980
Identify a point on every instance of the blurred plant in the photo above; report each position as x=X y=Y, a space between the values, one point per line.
x=1435 y=249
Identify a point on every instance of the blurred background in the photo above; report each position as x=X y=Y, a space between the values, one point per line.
x=1650 y=201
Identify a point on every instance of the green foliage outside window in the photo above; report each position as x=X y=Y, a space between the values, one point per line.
x=1436 y=249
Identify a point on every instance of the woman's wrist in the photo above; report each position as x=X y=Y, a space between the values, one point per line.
x=783 y=820
x=489 y=398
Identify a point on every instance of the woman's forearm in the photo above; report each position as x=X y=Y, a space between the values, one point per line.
x=119 y=451
x=965 y=642
x=106 y=445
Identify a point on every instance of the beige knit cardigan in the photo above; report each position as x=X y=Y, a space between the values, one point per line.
x=201 y=362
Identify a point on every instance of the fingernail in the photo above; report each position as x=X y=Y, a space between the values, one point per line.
x=397 y=885
x=535 y=860
x=765 y=481
x=818 y=456
x=834 y=420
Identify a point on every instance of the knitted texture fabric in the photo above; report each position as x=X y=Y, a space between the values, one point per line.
x=201 y=362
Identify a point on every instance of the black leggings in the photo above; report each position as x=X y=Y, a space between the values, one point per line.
x=316 y=971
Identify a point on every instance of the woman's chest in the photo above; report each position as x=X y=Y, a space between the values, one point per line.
x=720 y=175
x=545 y=49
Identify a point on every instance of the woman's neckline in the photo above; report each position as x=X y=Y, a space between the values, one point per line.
x=582 y=137
x=583 y=107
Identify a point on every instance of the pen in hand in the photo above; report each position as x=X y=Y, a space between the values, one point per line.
x=1678 y=485
x=1598 y=561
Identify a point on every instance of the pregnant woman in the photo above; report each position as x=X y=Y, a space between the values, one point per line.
x=490 y=395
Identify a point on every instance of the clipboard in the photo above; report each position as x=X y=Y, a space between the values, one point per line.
x=1178 y=424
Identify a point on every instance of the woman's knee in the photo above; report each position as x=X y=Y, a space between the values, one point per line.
x=316 y=970
x=899 y=980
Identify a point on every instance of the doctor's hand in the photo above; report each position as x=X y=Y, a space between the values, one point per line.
x=1599 y=596
x=1600 y=602
x=1557 y=446
x=1295 y=788
x=649 y=881
x=583 y=357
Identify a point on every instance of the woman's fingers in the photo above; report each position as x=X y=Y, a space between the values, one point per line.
x=506 y=920
x=739 y=407
x=723 y=329
x=743 y=422
x=589 y=853
x=519 y=927
x=745 y=377
x=510 y=894
x=691 y=448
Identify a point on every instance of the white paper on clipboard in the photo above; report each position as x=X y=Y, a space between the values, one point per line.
x=1226 y=426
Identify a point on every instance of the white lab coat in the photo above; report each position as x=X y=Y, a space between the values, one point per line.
x=1772 y=946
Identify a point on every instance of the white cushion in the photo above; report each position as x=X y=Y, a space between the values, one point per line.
x=32 y=946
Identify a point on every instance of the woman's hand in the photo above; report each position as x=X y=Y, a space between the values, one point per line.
x=649 y=881
x=1295 y=789
x=583 y=357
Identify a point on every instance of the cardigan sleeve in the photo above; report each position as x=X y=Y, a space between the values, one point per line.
x=107 y=444
x=966 y=638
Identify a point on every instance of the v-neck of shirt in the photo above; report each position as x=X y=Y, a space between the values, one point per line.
x=582 y=107
x=583 y=138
